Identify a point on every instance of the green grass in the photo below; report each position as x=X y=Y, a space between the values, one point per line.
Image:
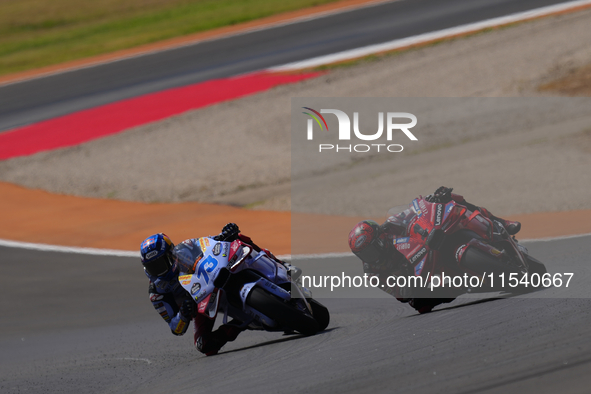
x=37 y=33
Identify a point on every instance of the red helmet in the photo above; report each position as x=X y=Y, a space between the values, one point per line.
x=365 y=241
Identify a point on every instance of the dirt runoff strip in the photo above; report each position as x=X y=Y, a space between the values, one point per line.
x=508 y=62
x=40 y=217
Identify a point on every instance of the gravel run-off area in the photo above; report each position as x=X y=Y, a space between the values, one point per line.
x=526 y=150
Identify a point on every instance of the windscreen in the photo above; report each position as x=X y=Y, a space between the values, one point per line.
x=187 y=255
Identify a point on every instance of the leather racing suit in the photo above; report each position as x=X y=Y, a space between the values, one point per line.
x=167 y=297
x=394 y=263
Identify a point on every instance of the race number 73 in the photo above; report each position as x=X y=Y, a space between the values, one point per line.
x=206 y=267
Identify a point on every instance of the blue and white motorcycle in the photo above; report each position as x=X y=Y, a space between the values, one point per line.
x=250 y=286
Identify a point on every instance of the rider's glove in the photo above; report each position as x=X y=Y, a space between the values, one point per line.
x=188 y=309
x=442 y=195
x=229 y=232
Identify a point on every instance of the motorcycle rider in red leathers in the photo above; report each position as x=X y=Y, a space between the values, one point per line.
x=173 y=303
x=373 y=244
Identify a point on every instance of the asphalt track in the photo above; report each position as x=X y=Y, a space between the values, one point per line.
x=74 y=323
x=44 y=98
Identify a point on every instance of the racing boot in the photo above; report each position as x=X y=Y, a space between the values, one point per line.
x=511 y=226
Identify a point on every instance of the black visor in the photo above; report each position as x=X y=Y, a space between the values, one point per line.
x=371 y=253
x=160 y=266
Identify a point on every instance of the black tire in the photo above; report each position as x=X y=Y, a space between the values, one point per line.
x=288 y=316
x=535 y=266
x=321 y=314
x=480 y=262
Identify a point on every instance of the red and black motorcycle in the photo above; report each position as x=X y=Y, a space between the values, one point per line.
x=449 y=242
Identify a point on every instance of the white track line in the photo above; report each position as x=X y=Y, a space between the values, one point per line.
x=68 y=249
x=427 y=37
x=315 y=256
x=126 y=253
x=322 y=60
x=336 y=57
x=554 y=238
x=135 y=359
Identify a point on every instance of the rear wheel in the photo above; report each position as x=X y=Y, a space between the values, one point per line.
x=535 y=266
x=288 y=316
x=480 y=262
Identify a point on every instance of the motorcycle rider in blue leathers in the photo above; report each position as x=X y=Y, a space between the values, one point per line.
x=175 y=305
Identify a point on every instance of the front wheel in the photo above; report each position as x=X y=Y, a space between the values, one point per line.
x=321 y=314
x=288 y=316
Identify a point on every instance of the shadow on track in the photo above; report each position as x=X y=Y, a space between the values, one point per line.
x=476 y=302
x=501 y=296
x=287 y=338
